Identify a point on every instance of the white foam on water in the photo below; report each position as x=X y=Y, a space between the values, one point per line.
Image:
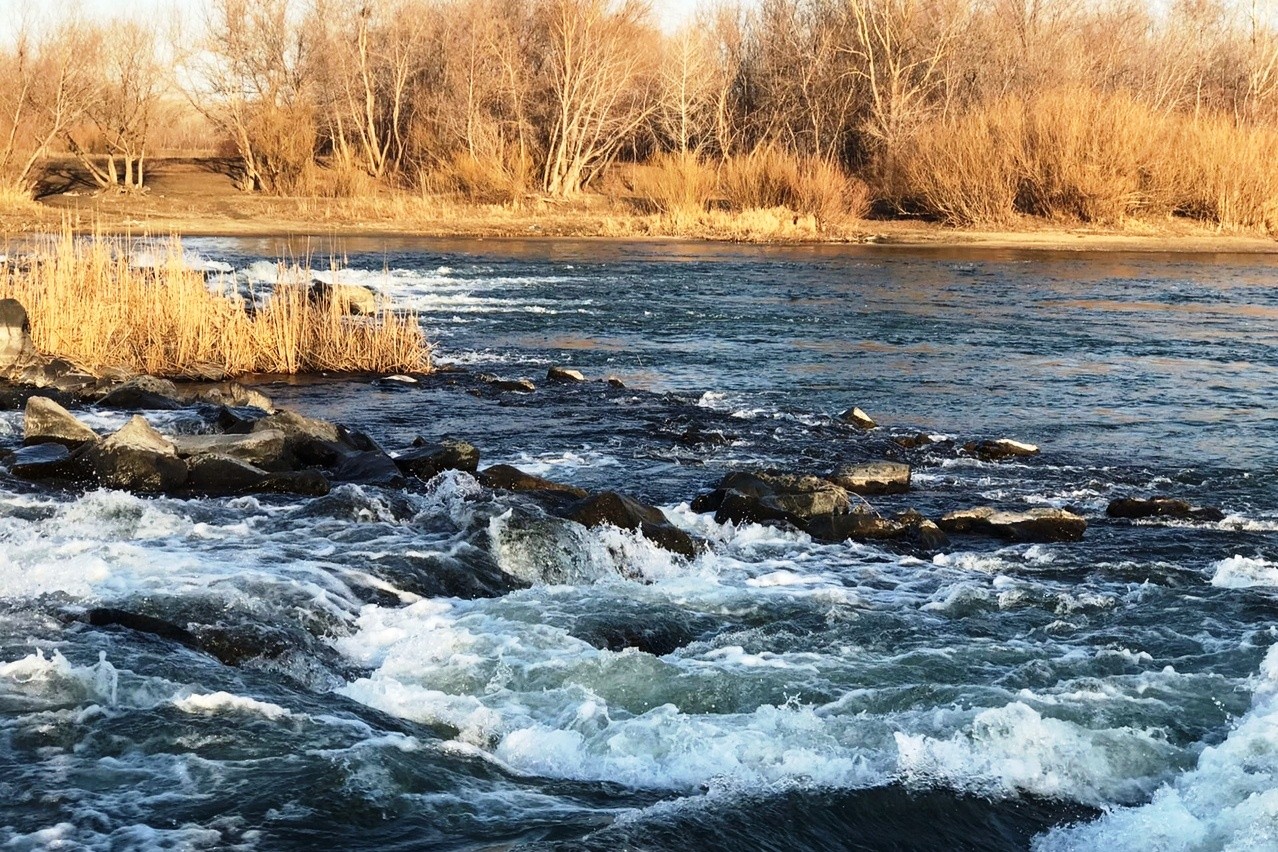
x=1229 y=801
x=1242 y=523
x=1243 y=572
x=212 y=703
x=562 y=464
x=1017 y=749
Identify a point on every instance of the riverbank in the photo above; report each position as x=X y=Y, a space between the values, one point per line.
x=192 y=199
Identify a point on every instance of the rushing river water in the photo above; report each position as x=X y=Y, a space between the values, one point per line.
x=772 y=693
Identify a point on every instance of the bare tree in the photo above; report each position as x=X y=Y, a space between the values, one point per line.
x=598 y=84
x=691 y=86
x=126 y=90
x=900 y=48
x=249 y=79
x=46 y=87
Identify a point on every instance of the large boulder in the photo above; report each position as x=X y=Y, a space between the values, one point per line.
x=427 y=459
x=45 y=421
x=1134 y=508
x=1041 y=525
x=345 y=298
x=1000 y=449
x=139 y=459
x=908 y=527
x=763 y=496
x=881 y=477
x=266 y=449
x=618 y=510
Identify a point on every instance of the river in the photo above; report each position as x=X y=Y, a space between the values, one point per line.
x=771 y=693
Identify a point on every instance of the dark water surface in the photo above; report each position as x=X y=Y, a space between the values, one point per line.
x=774 y=692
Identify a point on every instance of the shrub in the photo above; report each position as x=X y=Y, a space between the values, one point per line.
x=89 y=305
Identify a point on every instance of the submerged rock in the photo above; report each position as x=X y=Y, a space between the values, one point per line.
x=1161 y=507
x=1000 y=449
x=913 y=442
x=858 y=418
x=696 y=436
x=881 y=477
x=618 y=510
x=137 y=458
x=1042 y=525
x=564 y=376
x=513 y=385
x=44 y=421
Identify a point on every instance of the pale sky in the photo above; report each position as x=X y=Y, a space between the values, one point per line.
x=670 y=13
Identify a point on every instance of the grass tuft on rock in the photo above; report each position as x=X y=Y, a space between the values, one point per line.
x=91 y=303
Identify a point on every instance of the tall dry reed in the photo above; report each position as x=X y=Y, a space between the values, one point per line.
x=1088 y=157
x=92 y=306
x=677 y=185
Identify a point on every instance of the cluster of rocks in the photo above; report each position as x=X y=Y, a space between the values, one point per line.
x=554 y=375
x=257 y=450
x=831 y=509
x=252 y=448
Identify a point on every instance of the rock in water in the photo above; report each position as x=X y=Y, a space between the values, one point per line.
x=514 y=385
x=266 y=449
x=229 y=394
x=1161 y=507
x=1000 y=449
x=347 y=298
x=1031 y=525
x=139 y=459
x=143 y=392
x=17 y=352
x=298 y=427
x=761 y=496
x=608 y=507
x=427 y=460
x=46 y=421
x=507 y=478
x=564 y=376
x=882 y=477
x=48 y=462
x=858 y=418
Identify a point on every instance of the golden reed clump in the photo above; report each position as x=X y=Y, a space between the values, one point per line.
x=90 y=305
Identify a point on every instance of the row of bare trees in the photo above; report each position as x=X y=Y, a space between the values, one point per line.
x=544 y=95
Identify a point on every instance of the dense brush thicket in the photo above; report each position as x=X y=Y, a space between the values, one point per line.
x=966 y=111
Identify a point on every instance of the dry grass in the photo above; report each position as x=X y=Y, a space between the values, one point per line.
x=1091 y=158
x=676 y=185
x=769 y=177
x=89 y=305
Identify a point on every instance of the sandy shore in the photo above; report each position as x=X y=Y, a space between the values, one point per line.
x=187 y=198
